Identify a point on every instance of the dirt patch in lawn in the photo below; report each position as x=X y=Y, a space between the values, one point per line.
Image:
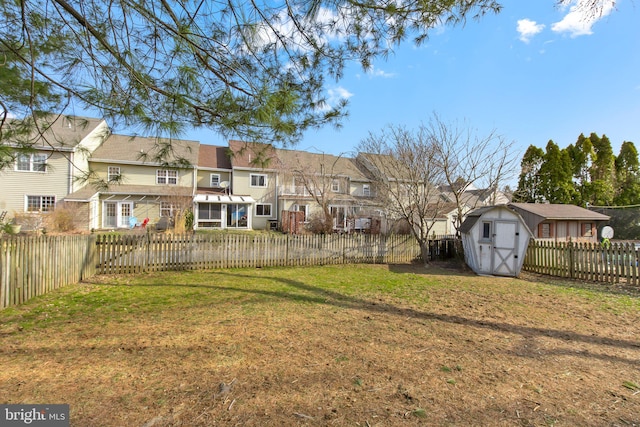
x=358 y=345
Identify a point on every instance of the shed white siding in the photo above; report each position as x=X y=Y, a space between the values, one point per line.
x=495 y=241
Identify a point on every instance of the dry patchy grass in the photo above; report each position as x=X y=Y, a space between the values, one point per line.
x=334 y=345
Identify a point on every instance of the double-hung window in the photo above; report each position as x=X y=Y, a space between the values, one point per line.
x=166 y=176
x=31 y=162
x=41 y=203
x=113 y=173
x=215 y=180
x=258 y=180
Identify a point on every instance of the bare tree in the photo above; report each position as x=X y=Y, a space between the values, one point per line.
x=415 y=171
x=403 y=167
x=468 y=160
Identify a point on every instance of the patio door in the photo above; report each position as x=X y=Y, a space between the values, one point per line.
x=117 y=214
x=237 y=215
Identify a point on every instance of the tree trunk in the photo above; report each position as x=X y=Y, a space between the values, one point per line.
x=424 y=252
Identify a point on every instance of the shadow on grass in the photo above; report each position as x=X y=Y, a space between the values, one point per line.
x=317 y=295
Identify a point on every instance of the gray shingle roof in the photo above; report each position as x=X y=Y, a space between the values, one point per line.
x=57 y=131
x=559 y=211
x=136 y=149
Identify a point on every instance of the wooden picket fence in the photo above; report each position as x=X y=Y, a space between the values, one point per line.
x=32 y=266
x=617 y=263
x=154 y=252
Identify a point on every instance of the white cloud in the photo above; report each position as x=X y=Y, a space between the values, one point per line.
x=334 y=96
x=375 y=72
x=528 y=28
x=582 y=15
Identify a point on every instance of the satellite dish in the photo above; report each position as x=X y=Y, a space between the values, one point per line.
x=224 y=184
x=607 y=232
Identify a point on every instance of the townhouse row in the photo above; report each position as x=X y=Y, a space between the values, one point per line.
x=110 y=181
x=113 y=181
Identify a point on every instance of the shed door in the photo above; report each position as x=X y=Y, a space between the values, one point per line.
x=505 y=246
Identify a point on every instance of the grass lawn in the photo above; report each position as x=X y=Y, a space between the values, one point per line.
x=363 y=345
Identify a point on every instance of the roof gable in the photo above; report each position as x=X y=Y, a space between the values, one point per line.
x=58 y=132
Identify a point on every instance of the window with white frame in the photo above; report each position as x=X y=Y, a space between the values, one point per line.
x=258 y=180
x=113 y=173
x=335 y=186
x=31 y=162
x=215 y=180
x=166 y=176
x=41 y=203
x=366 y=190
x=168 y=209
x=263 y=209
x=486 y=230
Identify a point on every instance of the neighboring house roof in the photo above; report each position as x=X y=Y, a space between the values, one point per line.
x=214 y=157
x=551 y=211
x=320 y=164
x=384 y=166
x=57 y=132
x=252 y=155
x=142 y=150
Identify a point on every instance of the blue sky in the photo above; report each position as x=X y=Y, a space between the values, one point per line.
x=532 y=73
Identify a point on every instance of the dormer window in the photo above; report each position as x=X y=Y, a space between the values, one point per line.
x=335 y=186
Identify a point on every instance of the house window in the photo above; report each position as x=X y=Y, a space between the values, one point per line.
x=209 y=215
x=113 y=173
x=215 y=180
x=486 y=230
x=263 y=209
x=168 y=209
x=41 y=203
x=366 y=190
x=165 y=176
x=31 y=162
x=335 y=186
x=545 y=230
x=258 y=180
x=587 y=229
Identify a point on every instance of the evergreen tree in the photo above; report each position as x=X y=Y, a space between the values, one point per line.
x=252 y=70
x=556 y=182
x=529 y=190
x=627 y=176
x=602 y=171
x=582 y=156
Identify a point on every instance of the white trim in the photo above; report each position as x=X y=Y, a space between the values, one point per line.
x=266 y=180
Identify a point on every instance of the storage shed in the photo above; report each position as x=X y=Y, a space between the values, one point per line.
x=495 y=240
